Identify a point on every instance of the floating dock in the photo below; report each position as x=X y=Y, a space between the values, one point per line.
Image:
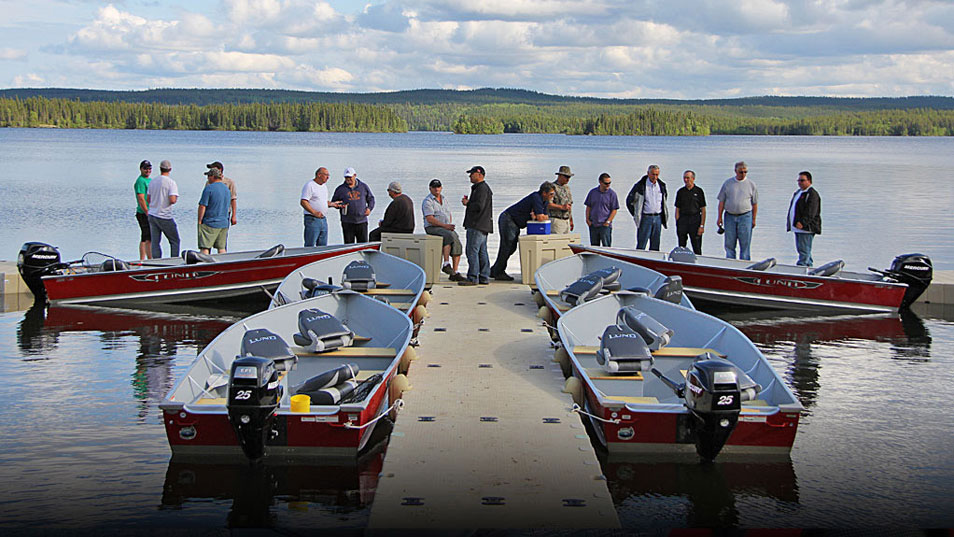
x=486 y=438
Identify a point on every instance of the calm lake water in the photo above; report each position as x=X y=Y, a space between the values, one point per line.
x=83 y=445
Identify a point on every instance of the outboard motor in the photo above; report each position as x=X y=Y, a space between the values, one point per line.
x=312 y=288
x=652 y=331
x=716 y=390
x=320 y=331
x=358 y=275
x=329 y=387
x=623 y=351
x=37 y=259
x=670 y=290
x=916 y=270
x=267 y=344
x=582 y=290
x=254 y=393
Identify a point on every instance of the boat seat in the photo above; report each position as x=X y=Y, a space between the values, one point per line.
x=329 y=387
x=582 y=290
x=274 y=251
x=113 y=264
x=652 y=331
x=681 y=254
x=358 y=275
x=264 y=343
x=192 y=257
x=312 y=288
x=319 y=331
x=622 y=350
x=671 y=290
x=764 y=264
x=609 y=276
x=828 y=269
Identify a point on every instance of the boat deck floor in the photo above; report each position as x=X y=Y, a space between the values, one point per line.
x=487 y=438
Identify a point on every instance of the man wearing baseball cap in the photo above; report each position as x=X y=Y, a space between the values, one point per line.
x=398 y=217
x=479 y=223
x=439 y=221
x=214 y=213
x=233 y=205
x=162 y=194
x=356 y=203
x=140 y=187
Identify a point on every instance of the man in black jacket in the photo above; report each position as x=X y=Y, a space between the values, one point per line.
x=398 y=217
x=804 y=218
x=478 y=221
x=646 y=201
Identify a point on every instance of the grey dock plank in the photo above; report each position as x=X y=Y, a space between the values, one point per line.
x=501 y=448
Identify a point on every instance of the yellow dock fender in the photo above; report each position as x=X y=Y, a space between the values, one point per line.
x=399 y=385
x=409 y=356
x=574 y=387
x=425 y=298
x=538 y=298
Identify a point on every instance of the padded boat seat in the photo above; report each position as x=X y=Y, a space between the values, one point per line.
x=358 y=275
x=671 y=290
x=828 y=269
x=319 y=331
x=610 y=277
x=652 y=331
x=113 y=264
x=764 y=264
x=623 y=351
x=312 y=288
x=264 y=343
x=274 y=251
x=581 y=290
x=355 y=352
x=192 y=257
x=681 y=254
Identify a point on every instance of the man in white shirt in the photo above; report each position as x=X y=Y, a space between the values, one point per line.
x=161 y=195
x=646 y=201
x=314 y=200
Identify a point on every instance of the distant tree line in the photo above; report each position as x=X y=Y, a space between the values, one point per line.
x=305 y=117
x=575 y=118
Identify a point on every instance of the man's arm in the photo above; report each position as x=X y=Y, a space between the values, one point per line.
x=307 y=207
x=612 y=215
x=173 y=199
x=234 y=208
x=588 y=223
x=755 y=211
x=702 y=223
x=143 y=204
x=719 y=216
x=201 y=212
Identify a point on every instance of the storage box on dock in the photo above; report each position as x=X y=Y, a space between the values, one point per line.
x=419 y=248
x=535 y=250
x=538 y=228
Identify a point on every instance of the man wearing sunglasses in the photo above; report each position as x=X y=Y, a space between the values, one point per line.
x=601 y=206
x=804 y=218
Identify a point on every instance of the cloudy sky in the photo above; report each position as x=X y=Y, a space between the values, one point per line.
x=607 y=48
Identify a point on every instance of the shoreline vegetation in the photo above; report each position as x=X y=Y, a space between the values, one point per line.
x=486 y=111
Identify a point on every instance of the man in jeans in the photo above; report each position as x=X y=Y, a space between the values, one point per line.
x=601 y=206
x=738 y=207
x=535 y=206
x=314 y=200
x=804 y=218
x=161 y=195
x=478 y=221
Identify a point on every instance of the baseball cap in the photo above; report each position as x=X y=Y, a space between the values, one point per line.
x=214 y=172
x=349 y=172
x=215 y=164
x=165 y=165
x=435 y=183
x=477 y=169
x=145 y=164
x=395 y=187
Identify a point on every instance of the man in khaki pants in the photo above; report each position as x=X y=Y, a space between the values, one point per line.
x=561 y=215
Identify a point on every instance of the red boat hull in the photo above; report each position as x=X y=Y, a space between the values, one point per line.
x=184 y=283
x=770 y=290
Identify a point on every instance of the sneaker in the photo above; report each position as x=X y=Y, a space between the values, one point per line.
x=466 y=282
x=487 y=282
x=503 y=277
x=446 y=269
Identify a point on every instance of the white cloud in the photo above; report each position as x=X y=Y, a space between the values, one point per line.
x=12 y=54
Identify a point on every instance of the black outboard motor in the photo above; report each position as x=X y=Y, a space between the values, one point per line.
x=254 y=393
x=916 y=270
x=715 y=390
x=36 y=260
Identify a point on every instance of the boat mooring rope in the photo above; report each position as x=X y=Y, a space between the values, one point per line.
x=398 y=404
x=576 y=408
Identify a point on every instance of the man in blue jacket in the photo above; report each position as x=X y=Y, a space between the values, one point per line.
x=357 y=202
x=534 y=206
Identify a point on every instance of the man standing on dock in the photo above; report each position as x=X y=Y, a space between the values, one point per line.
x=738 y=207
x=804 y=218
x=233 y=204
x=535 y=206
x=601 y=206
x=161 y=195
x=561 y=214
x=356 y=203
x=140 y=187
x=314 y=200
x=690 y=213
x=646 y=201
x=479 y=223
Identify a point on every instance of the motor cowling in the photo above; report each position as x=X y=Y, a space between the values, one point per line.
x=35 y=260
x=915 y=270
x=715 y=390
x=253 y=396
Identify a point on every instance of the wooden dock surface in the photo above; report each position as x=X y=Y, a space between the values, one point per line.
x=487 y=438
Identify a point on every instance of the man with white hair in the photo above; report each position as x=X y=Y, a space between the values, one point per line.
x=398 y=217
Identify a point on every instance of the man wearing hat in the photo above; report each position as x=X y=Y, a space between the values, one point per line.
x=356 y=203
x=214 y=213
x=161 y=195
x=561 y=215
x=479 y=222
x=398 y=217
x=439 y=221
x=142 y=210
x=233 y=204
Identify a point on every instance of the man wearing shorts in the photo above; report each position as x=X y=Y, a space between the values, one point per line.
x=142 y=210
x=214 y=206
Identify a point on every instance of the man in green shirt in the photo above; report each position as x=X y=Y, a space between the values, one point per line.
x=142 y=210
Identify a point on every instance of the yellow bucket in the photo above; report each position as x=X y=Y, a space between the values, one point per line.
x=300 y=403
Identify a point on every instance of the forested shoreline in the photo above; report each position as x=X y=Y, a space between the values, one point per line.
x=485 y=116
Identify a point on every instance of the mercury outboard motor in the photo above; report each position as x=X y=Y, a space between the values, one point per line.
x=716 y=391
x=36 y=260
x=254 y=393
x=915 y=270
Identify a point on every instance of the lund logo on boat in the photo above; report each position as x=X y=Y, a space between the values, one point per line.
x=778 y=282
x=167 y=276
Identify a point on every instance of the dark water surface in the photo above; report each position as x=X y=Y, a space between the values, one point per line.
x=83 y=445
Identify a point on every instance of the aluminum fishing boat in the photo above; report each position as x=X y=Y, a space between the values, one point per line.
x=105 y=280
x=768 y=284
x=244 y=393
x=654 y=376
